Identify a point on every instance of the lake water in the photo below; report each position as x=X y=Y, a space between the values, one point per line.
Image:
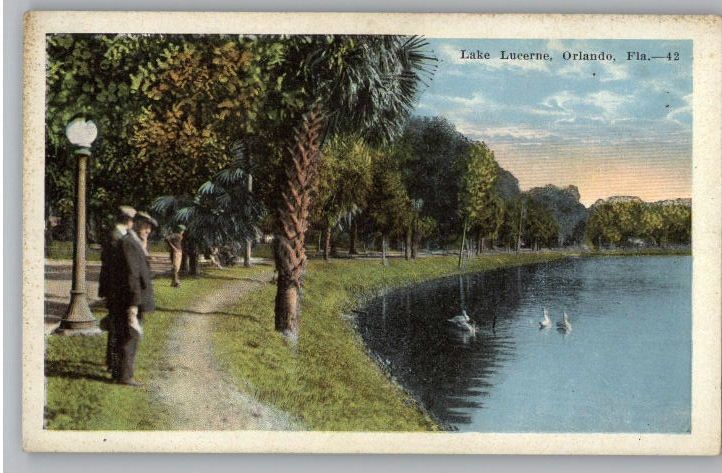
x=624 y=367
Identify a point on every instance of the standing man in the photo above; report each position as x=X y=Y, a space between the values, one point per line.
x=175 y=245
x=137 y=297
x=112 y=269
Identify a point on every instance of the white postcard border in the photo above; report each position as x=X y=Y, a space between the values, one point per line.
x=704 y=31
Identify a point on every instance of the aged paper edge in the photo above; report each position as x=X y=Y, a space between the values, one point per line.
x=704 y=31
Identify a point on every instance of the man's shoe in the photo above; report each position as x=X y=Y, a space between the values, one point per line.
x=131 y=382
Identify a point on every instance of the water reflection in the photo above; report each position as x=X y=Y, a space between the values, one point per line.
x=429 y=355
x=511 y=375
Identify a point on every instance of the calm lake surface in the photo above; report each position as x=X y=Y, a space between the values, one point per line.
x=624 y=367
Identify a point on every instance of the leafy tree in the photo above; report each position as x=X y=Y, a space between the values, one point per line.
x=223 y=213
x=169 y=109
x=202 y=96
x=345 y=174
x=526 y=222
x=390 y=207
x=677 y=217
x=619 y=220
x=541 y=227
x=423 y=228
x=434 y=160
x=652 y=225
x=479 y=200
x=91 y=74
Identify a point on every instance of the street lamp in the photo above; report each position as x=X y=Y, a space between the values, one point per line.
x=79 y=319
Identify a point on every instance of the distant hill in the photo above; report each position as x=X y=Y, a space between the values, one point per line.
x=564 y=203
x=617 y=198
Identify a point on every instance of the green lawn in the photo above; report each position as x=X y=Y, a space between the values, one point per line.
x=80 y=395
x=64 y=250
x=329 y=381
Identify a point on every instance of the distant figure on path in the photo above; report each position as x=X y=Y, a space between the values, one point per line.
x=175 y=246
x=215 y=257
x=111 y=270
x=136 y=294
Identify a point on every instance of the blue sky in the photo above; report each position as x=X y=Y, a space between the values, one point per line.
x=611 y=128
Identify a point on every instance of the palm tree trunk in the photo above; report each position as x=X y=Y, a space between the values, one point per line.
x=352 y=238
x=193 y=261
x=332 y=245
x=292 y=222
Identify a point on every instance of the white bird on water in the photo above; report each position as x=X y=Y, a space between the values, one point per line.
x=463 y=322
x=547 y=322
x=564 y=325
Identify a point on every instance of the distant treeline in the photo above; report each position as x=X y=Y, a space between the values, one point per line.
x=628 y=221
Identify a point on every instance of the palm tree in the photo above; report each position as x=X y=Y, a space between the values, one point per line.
x=222 y=213
x=361 y=84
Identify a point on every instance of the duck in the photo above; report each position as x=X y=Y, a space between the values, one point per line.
x=564 y=325
x=547 y=322
x=463 y=322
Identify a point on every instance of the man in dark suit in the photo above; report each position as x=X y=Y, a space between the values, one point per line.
x=112 y=270
x=137 y=296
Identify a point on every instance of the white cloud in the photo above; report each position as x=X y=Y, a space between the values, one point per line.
x=476 y=100
x=450 y=54
x=601 y=105
x=503 y=133
x=610 y=102
x=459 y=105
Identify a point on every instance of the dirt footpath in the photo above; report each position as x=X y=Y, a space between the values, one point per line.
x=202 y=396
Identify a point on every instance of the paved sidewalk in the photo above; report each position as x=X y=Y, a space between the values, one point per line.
x=58 y=281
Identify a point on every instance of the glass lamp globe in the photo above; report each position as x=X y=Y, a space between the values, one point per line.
x=81 y=132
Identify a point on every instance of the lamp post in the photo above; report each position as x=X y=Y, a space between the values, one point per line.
x=79 y=319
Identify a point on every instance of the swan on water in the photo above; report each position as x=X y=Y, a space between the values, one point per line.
x=564 y=325
x=460 y=319
x=547 y=322
x=463 y=322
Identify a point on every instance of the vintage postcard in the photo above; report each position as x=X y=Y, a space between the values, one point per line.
x=380 y=233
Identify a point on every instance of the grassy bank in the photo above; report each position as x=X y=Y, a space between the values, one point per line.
x=328 y=380
x=79 y=393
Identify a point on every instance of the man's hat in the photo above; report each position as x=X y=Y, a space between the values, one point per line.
x=181 y=227
x=126 y=211
x=142 y=215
